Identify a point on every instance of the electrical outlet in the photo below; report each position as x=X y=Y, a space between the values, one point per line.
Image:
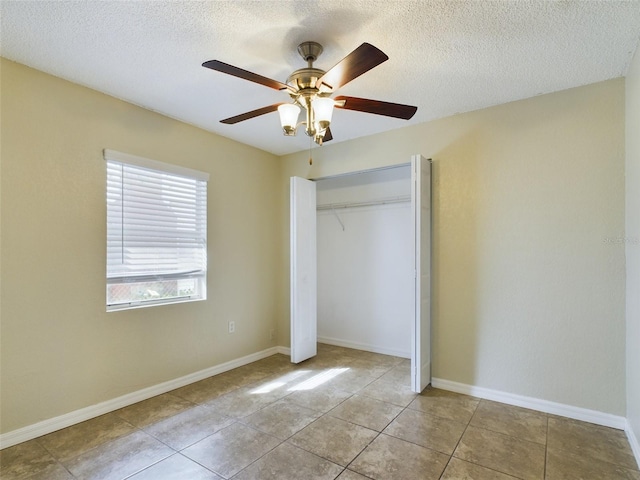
x=232 y=327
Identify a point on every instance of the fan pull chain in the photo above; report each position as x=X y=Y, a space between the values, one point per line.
x=310 y=159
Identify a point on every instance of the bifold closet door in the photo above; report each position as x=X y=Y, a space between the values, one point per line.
x=304 y=270
x=421 y=337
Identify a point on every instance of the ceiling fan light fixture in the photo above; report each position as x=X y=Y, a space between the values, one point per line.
x=289 y=118
x=322 y=110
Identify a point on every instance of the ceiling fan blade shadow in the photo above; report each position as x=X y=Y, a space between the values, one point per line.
x=377 y=107
x=360 y=61
x=245 y=74
x=252 y=114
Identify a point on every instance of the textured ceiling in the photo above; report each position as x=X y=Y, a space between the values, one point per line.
x=446 y=57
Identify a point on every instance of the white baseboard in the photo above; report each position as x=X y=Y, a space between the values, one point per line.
x=364 y=346
x=633 y=441
x=51 y=425
x=577 y=413
x=284 y=350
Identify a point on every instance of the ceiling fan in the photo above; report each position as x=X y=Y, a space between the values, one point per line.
x=311 y=89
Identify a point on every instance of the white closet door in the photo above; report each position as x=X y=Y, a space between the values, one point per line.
x=421 y=338
x=303 y=270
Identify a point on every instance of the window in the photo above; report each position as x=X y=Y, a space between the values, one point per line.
x=156 y=232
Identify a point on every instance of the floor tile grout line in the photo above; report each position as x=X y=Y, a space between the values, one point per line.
x=56 y=459
x=487 y=468
x=204 y=466
x=446 y=466
x=460 y=439
x=377 y=436
x=546 y=450
x=417 y=444
x=599 y=427
x=618 y=465
x=489 y=430
x=507 y=435
x=151 y=465
x=538 y=414
x=247 y=466
x=113 y=440
x=198 y=463
x=62 y=461
x=360 y=452
x=288 y=442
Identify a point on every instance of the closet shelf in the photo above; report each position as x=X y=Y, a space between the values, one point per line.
x=368 y=203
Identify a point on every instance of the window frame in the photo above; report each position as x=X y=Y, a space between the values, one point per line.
x=166 y=172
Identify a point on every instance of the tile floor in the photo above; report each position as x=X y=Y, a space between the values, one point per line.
x=345 y=414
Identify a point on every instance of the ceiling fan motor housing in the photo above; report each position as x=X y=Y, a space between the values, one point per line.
x=305 y=78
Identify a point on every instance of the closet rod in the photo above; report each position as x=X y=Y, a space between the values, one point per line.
x=369 y=203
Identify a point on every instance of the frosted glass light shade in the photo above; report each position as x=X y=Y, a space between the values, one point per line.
x=323 y=110
x=289 y=117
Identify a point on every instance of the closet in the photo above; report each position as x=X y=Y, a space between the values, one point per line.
x=365 y=260
x=361 y=263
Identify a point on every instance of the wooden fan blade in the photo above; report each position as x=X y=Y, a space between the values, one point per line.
x=247 y=75
x=252 y=114
x=361 y=60
x=377 y=107
x=327 y=135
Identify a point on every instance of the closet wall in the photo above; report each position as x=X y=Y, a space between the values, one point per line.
x=365 y=261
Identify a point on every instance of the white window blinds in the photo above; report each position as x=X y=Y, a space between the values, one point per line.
x=156 y=232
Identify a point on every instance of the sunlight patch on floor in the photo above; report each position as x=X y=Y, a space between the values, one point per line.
x=318 y=380
x=279 y=382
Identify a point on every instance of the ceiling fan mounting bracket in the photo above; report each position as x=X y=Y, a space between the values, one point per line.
x=310 y=51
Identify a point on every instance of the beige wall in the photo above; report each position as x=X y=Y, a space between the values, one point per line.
x=529 y=281
x=633 y=244
x=60 y=351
